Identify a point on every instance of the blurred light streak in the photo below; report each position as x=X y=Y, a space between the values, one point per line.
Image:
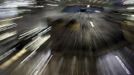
x=28 y=57
x=97 y=11
x=35 y=44
x=41 y=63
x=13 y=59
x=7 y=26
x=12 y=39
x=9 y=19
x=59 y=65
x=130 y=8
x=39 y=6
x=45 y=65
x=38 y=43
x=34 y=52
x=124 y=67
x=132 y=16
x=7 y=35
x=7 y=54
x=73 y=64
x=23 y=51
x=128 y=2
x=45 y=31
x=29 y=32
x=53 y=4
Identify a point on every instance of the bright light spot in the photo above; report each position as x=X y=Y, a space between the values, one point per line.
x=91 y=23
x=132 y=15
x=88 y=6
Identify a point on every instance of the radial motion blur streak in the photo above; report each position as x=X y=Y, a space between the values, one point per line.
x=66 y=37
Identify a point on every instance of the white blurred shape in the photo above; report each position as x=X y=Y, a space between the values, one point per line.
x=132 y=15
x=91 y=23
x=88 y=6
x=52 y=4
x=128 y=1
x=130 y=8
x=97 y=11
